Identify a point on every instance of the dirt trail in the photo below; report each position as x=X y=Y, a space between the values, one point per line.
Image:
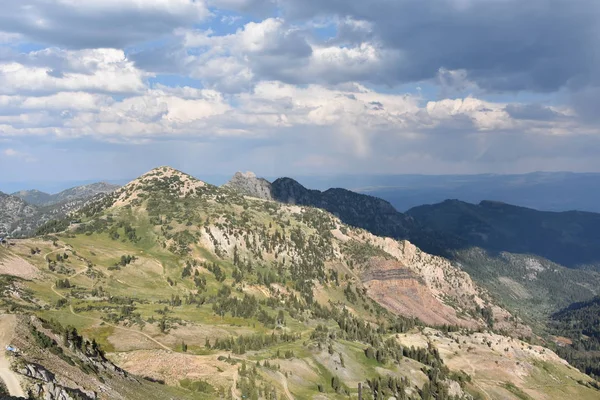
x=234 y=394
x=7 y=326
x=285 y=386
x=54 y=251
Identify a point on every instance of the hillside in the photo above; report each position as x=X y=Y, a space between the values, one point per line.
x=529 y=285
x=581 y=322
x=569 y=238
x=221 y=295
x=56 y=362
x=513 y=271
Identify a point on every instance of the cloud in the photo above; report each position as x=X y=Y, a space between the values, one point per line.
x=328 y=85
x=502 y=45
x=52 y=70
x=98 y=23
x=535 y=112
x=14 y=154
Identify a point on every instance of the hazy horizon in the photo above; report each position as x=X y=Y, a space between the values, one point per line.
x=53 y=187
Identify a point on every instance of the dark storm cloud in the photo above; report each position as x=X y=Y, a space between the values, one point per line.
x=504 y=45
x=531 y=112
x=96 y=23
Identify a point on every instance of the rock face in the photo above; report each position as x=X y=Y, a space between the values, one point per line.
x=404 y=292
x=47 y=387
x=12 y=211
x=248 y=184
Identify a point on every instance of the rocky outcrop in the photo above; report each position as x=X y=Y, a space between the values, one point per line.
x=403 y=291
x=248 y=184
x=46 y=387
x=13 y=210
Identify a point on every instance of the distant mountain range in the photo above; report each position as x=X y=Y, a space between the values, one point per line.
x=38 y=198
x=570 y=238
x=547 y=191
x=23 y=212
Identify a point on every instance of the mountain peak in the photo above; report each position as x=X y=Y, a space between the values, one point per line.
x=165 y=179
x=248 y=184
x=247 y=174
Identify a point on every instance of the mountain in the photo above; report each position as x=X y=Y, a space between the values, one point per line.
x=22 y=213
x=12 y=211
x=568 y=238
x=375 y=215
x=221 y=295
x=34 y=197
x=510 y=263
x=37 y=198
x=250 y=185
x=547 y=191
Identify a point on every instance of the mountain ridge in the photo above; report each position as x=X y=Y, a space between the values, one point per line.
x=570 y=238
x=39 y=198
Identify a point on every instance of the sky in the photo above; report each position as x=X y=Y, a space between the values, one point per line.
x=108 y=89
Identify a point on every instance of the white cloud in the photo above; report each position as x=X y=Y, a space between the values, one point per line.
x=53 y=70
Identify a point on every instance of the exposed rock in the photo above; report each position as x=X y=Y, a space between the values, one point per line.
x=37 y=372
x=12 y=211
x=248 y=184
x=405 y=292
x=49 y=389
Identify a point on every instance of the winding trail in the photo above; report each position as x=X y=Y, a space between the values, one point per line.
x=10 y=378
x=64 y=248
